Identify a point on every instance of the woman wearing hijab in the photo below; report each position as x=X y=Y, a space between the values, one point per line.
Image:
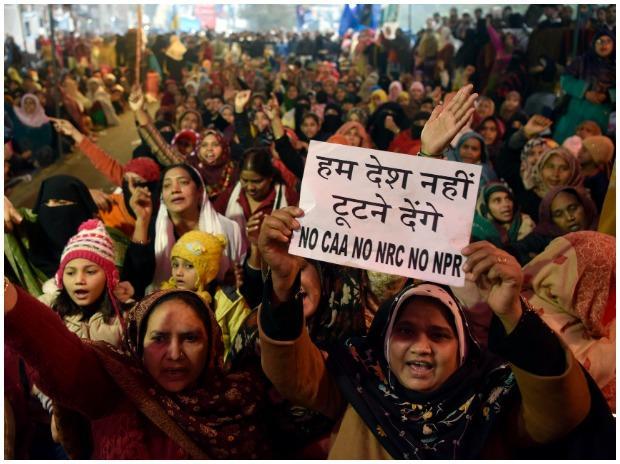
x=418 y=385
x=183 y=206
x=377 y=98
x=164 y=394
x=471 y=148
x=34 y=248
x=590 y=85
x=497 y=218
x=394 y=90
x=595 y=158
x=385 y=123
x=492 y=130
x=32 y=130
x=556 y=167
x=355 y=134
x=572 y=286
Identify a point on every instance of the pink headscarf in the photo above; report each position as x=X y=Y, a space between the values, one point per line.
x=347 y=126
x=37 y=118
x=394 y=91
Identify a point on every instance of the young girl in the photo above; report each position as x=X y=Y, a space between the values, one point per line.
x=195 y=264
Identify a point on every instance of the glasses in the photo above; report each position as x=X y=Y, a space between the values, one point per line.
x=603 y=41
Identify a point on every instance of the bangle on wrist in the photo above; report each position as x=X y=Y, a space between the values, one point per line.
x=140 y=242
x=427 y=155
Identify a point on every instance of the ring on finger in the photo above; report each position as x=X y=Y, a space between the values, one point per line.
x=502 y=260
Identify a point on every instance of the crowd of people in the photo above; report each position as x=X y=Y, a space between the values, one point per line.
x=167 y=320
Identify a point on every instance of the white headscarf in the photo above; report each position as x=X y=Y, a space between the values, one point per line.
x=209 y=221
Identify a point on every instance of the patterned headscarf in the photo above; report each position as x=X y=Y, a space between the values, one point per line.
x=572 y=286
x=219 y=419
x=575 y=179
x=547 y=227
x=451 y=422
x=528 y=161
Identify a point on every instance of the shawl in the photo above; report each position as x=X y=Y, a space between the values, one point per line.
x=37 y=118
x=347 y=126
x=485 y=227
x=575 y=179
x=488 y=174
x=547 y=227
x=528 y=162
x=594 y=69
x=452 y=422
x=209 y=221
x=219 y=419
x=223 y=173
x=572 y=286
x=235 y=210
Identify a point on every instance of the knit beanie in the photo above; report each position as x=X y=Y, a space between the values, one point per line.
x=204 y=251
x=145 y=167
x=92 y=242
x=601 y=148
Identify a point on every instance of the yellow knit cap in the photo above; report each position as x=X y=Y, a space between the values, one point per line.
x=204 y=251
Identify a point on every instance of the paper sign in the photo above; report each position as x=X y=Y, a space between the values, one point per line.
x=386 y=212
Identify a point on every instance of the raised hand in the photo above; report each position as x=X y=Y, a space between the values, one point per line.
x=65 y=127
x=141 y=203
x=390 y=125
x=11 y=216
x=101 y=199
x=447 y=120
x=535 y=125
x=273 y=241
x=241 y=100
x=124 y=292
x=252 y=227
x=498 y=276
x=136 y=98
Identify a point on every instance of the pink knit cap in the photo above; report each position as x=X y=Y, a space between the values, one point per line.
x=93 y=243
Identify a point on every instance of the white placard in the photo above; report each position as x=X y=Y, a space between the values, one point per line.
x=387 y=212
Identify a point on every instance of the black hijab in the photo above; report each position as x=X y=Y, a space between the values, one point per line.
x=331 y=122
x=57 y=224
x=451 y=422
x=381 y=136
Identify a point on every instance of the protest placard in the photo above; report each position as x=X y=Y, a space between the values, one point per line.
x=386 y=212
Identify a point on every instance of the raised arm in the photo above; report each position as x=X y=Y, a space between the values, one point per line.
x=290 y=360
x=67 y=369
x=101 y=159
x=554 y=392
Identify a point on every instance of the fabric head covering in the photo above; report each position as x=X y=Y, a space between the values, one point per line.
x=454 y=420
x=372 y=106
x=185 y=113
x=208 y=221
x=575 y=179
x=527 y=163
x=221 y=175
x=501 y=129
x=145 y=167
x=573 y=144
x=360 y=113
x=601 y=149
x=92 y=242
x=57 y=224
x=394 y=91
x=347 y=126
x=417 y=85
x=486 y=227
x=204 y=251
x=380 y=136
x=189 y=135
x=176 y=50
x=547 y=227
x=37 y=118
x=488 y=174
x=572 y=286
x=591 y=125
x=339 y=139
x=216 y=419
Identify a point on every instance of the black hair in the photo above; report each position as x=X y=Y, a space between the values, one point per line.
x=191 y=299
x=259 y=160
x=65 y=306
x=190 y=170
